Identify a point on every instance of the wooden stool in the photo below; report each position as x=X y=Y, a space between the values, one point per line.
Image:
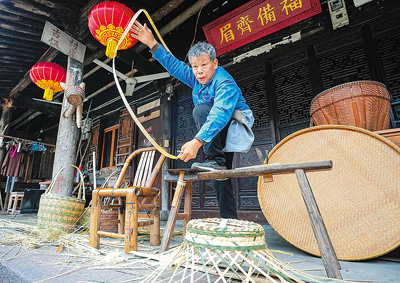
x=15 y=202
x=185 y=177
x=181 y=188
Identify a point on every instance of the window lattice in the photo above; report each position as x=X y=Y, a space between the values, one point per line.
x=293 y=93
x=253 y=86
x=389 y=49
x=344 y=65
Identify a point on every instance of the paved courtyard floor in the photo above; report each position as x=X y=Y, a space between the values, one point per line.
x=70 y=259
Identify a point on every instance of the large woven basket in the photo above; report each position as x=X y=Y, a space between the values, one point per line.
x=364 y=104
x=61 y=212
x=359 y=199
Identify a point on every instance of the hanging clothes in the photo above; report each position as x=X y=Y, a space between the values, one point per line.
x=13 y=167
x=13 y=151
x=10 y=184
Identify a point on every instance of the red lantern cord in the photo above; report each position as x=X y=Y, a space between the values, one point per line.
x=107 y=22
x=48 y=76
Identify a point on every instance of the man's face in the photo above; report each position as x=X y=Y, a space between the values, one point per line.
x=203 y=68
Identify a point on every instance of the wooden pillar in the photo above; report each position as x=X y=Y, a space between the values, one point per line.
x=67 y=136
x=4 y=122
x=166 y=129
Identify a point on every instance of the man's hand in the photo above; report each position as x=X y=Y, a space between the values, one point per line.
x=143 y=34
x=189 y=150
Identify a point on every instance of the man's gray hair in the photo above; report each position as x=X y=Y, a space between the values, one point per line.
x=201 y=48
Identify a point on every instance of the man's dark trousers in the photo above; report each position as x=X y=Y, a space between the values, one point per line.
x=223 y=189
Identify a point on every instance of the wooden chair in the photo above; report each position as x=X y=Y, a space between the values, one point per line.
x=140 y=196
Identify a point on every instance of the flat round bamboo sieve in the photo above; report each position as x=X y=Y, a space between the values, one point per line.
x=359 y=199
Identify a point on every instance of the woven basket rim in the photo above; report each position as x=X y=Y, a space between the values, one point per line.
x=225 y=234
x=346 y=85
x=67 y=198
x=81 y=191
x=312 y=129
x=352 y=128
x=344 y=99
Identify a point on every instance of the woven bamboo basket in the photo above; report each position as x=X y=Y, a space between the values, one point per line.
x=364 y=104
x=61 y=212
x=224 y=234
x=220 y=250
x=84 y=220
x=358 y=199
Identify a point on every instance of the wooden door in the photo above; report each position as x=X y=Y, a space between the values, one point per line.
x=125 y=145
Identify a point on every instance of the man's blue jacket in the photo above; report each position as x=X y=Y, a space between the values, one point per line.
x=221 y=92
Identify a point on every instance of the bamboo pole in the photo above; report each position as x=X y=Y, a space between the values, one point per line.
x=94 y=171
x=131 y=221
x=94 y=239
x=155 y=227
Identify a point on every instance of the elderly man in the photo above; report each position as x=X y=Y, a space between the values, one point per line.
x=222 y=117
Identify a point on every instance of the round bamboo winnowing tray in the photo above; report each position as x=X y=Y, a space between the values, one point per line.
x=359 y=199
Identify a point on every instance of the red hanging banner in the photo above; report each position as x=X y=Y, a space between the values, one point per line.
x=257 y=19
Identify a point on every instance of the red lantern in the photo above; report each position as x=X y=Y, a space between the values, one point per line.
x=107 y=22
x=48 y=76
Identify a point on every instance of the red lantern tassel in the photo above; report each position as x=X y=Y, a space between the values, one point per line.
x=48 y=94
x=111 y=44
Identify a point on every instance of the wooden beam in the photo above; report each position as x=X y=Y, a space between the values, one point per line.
x=259 y=170
x=29 y=8
x=45 y=130
x=142 y=64
x=178 y=20
x=36 y=108
x=166 y=9
x=18 y=47
x=20 y=29
x=5 y=38
x=22 y=13
x=15 y=55
x=22 y=117
x=30 y=118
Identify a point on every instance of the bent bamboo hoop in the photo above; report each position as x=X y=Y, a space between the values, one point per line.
x=140 y=126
